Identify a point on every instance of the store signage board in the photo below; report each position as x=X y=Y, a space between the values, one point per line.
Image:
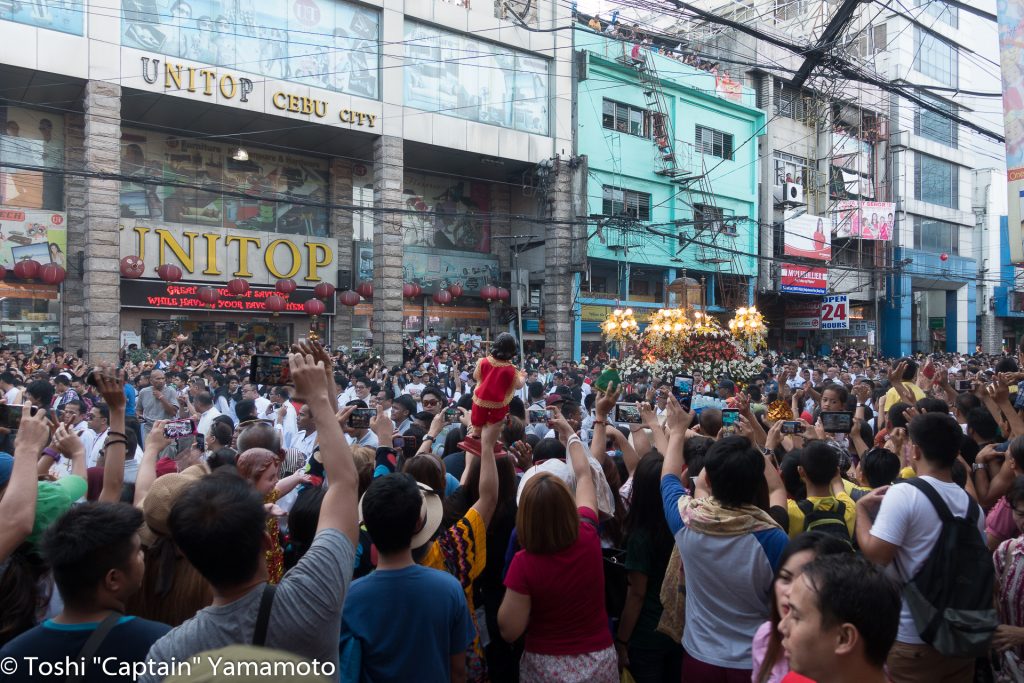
x=798 y=279
x=185 y=296
x=835 y=312
x=217 y=255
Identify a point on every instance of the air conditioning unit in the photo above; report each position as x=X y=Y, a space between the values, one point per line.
x=792 y=193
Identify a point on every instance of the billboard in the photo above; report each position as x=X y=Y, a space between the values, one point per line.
x=327 y=44
x=433 y=269
x=864 y=220
x=451 y=213
x=803 y=279
x=66 y=16
x=41 y=236
x=1011 y=48
x=802 y=315
x=807 y=236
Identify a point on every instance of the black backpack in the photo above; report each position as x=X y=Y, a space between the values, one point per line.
x=950 y=597
x=831 y=521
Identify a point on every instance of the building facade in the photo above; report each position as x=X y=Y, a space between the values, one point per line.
x=672 y=181
x=354 y=143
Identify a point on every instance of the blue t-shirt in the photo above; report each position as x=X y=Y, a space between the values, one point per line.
x=130 y=394
x=409 y=622
x=129 y=641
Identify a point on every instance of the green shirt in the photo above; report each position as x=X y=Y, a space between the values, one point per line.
x=641 y=556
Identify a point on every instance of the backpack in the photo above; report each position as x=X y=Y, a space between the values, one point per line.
x=950 y=597
x=831 y=521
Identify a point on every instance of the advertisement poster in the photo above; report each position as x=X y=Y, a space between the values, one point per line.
x=66 y=16
x=432 y=269
x=1011 y=49
x=803 y=279
x=208 y=165
x=865 y=220
x=41 y=236
x=807 y=236
x=36 y=139
x=475 y=80
x=802 y=315
x=454 y=213
x=835 y=312
x=327 y=44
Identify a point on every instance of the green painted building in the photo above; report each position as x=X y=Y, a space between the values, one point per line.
x=673 y=180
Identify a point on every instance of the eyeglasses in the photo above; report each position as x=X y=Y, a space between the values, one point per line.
x=429 y=402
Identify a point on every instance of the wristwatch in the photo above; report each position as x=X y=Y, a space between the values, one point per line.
x=428 y=437
x=975 y=466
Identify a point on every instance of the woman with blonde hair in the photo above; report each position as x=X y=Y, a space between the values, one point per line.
x=555 y=584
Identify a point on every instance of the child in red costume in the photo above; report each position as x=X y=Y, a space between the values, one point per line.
x=497 y=380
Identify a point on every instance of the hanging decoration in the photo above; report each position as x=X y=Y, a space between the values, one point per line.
x=408 y=290
x=455 y=290
x=208 y=295
x=26 y=270
x=52 y=274
x=169 y=272
x=285 y=286
x=442 y=297
x=314 y=309
x=365 y=289
x=323 y=290
x=238 y=286
x=132 y=267
x=349 y=298
x=275 y=303
x=503 y=294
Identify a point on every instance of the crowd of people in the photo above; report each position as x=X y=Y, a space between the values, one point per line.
x=839 y=518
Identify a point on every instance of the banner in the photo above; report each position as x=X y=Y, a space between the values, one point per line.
x=864 y=220
x=454 y=213
x=802 y=315
x=806 y=236
x=41 y=236
x=803 y=279
x=1011 y=48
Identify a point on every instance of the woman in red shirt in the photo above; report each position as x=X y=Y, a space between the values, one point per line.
x=556 y=582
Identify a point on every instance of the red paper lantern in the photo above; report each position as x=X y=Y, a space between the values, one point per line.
x=209 y=295
x=276 y=304
x=943 y=257
x=503 y=294
x=52 y=274
x=442 y=297
x=349 y=298
x=408 y=290
x=26 y=270
x=238 y=286
x=169 y=272
x=365 y=289
x=285 y=286
x=455 y=290
x=314 y=307
x=489 y=293
x=417 y=290
x=132 y=267
x=324 y=290
x=3 y=272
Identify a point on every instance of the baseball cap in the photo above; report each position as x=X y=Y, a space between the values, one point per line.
x=53 y=499
x=553 y=399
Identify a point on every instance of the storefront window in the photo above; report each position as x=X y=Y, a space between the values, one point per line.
x=196 y=182
x=208 y=334
x=30 y=322
x=331 y=45
x=31 y=141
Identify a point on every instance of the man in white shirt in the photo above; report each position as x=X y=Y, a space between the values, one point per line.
x=431 y=340
x=8 y=384
x=75 y=418
x=904 y=532
x=205 y=412
x=251 y=393
x=416 y=386
x=99 y=423
x=281 y=410
x=304 y=440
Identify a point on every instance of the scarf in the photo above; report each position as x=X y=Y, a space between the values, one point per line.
x=709 y=516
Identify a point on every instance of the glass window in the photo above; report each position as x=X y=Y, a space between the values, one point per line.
x=713 y=142
x=789 y=103
x=625 y=118
x=943 y=12
x=362 y=221
x=31 y=141
x=936 y=236
x=935 y=126
x=332 y=45
x=471 y=79
x=790 y=168
x=268 y=191
x=935 y=58
x=619 y=202
x=936 y=181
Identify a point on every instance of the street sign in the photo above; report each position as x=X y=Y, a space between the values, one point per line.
x=835 y=312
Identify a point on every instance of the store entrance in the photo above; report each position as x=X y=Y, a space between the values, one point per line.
x=208 y=334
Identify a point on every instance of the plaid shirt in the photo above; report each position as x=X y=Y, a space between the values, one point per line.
x=60 y=401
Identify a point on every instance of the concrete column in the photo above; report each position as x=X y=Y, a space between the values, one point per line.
x=341 y=229
x=388 y=171
x=990 y=333
x=72 y=299
x=897 y=330
x=557 y=260
x=967 y=323
x=766 y=198
x=952 y=326
x=501 y=248
x=101 y=279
